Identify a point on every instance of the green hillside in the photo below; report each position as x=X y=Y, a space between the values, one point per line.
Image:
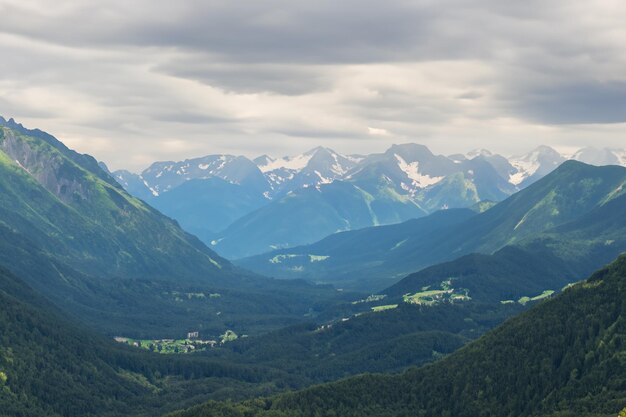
x=76 y=236
x=310 y=214
x=566 y=357
x=336 y=258
x=88 y=221
x=49 y=369
x=545 y=262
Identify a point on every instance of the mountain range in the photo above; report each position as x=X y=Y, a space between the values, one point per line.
x=274 y=203
x=584 y=200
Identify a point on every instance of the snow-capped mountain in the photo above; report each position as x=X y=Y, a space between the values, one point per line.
x=606 y=156
x=478 y=152
x=272 y=200
x=534 y=165
x=410 y=167
x=313 y=168
x=163 y=176
x=436 y=181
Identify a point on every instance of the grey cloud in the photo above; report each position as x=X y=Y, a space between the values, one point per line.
x=470 y=95
x=192 y=118
x=579 y=103
x=250 y=78
x=319 y=133
x=270 y=75
x=260 y=31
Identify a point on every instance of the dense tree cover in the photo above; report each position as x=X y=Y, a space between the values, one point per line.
x=387 y=341
x=52 y=366
x=117 y=264
x=95 y=376
x=508 y=274
x=565 y=357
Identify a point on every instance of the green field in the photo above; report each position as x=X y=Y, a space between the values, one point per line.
x=545 y=294
x=383 y=308
x=430 y=297
x=446 y=293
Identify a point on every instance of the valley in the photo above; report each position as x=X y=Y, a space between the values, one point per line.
x=312 y=208
x=115 y=293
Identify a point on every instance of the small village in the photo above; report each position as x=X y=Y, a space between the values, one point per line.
x=192 y=343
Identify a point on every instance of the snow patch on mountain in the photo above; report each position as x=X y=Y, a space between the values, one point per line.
x=323 y=179
x=152 y=190
x=295 y=163
x=412 y=171
x=337 y=168
x=525 y=168
x=539 y=161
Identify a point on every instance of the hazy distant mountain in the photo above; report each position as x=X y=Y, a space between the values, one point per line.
x=595 y=156
x=410 y=168
x=309 y=214
x=134 y=184
x=406 y=181
x=205 y=207
x=475 y=180
x=534 y=165
x=205 y=194
x=502 y=165
x=163 y=176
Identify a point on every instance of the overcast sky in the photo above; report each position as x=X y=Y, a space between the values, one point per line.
x=131 y=82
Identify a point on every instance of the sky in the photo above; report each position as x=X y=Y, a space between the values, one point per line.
x=132 y=82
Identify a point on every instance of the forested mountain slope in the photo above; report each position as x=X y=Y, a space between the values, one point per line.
x=51 y=366
x=545 y=262
x=566 y=357
x=75 y=235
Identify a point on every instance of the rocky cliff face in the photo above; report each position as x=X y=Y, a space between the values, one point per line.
x=58 y=175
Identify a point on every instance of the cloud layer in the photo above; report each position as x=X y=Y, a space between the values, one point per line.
x=134 y=82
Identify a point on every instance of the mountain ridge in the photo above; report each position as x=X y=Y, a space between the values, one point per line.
x=561 y=197
x=405 y=181
x=109 y=258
